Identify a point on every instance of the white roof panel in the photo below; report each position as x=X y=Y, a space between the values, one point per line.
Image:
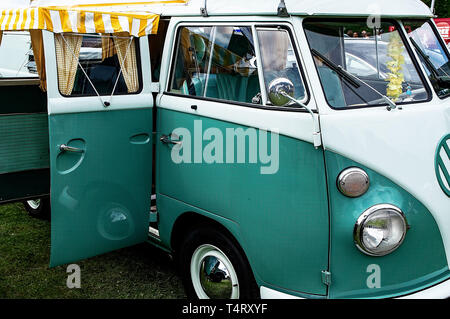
x=399 y=8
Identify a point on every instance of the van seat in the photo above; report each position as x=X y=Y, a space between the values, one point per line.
x=225 y=87
x=332 y=87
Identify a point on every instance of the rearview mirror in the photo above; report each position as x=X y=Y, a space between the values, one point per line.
x=278 y=89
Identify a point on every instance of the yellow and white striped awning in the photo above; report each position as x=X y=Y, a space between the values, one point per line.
x=90 y=18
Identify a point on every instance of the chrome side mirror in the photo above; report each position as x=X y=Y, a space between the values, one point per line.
x=278 y=89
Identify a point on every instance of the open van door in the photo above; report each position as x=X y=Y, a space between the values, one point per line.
x=100 y=124
x=24 y=151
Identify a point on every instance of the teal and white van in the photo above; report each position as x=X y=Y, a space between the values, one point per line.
x=277 y=149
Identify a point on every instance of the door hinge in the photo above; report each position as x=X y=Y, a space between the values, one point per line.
x=317 y=139
x=326 y=277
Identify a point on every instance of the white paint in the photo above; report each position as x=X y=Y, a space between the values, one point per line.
x=440 y=291
x=267 y=293
x=404 y=8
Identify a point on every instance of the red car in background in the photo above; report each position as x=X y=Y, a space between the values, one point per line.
x=443 y=25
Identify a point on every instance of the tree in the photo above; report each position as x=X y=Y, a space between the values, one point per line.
x=442 y=8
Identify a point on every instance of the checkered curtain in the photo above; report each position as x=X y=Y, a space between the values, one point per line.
x=67 y=54
x=126 y=54
x=108 y=49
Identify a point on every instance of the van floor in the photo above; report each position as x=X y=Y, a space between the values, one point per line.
x=141 y=271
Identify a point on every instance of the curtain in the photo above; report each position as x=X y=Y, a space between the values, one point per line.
x=126 y=54
x=108 y=49
x=274 y=49
x=37 y=44
x=67 y=55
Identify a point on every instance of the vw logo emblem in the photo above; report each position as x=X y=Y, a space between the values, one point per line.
x=443 y=164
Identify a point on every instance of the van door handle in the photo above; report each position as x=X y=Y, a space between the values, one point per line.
x=65 y=148
x=168 y=140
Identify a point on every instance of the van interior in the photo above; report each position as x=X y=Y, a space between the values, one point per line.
x=24 y=146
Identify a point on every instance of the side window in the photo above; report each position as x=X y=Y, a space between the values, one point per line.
x=217 y=62
x=279 y=59
x=16 y=55
x=90 y=65
x=221 y=62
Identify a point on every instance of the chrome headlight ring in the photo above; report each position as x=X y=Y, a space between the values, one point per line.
x=380 y=230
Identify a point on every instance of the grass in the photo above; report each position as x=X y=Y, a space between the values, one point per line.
x=142 y=271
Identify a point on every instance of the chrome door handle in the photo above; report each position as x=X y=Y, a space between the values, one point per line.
x=168 y=140
x=65 y=148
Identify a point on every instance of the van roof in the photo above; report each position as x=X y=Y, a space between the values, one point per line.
x=142 y=18
x=387 y=8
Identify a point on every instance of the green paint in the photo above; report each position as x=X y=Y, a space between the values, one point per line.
x=100 y=198
x=440 y=164
x=23 y=142
x=418 y=263
x=281 y=220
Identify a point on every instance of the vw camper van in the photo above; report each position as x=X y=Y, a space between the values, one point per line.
x=277 y=149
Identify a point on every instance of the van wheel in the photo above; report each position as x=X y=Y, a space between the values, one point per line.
x=213 y=267
x=38 y=208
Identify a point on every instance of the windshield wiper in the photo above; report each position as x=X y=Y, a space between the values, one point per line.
x=443 y=81
x=336 y=68
x=351 y=78
x=425 y=57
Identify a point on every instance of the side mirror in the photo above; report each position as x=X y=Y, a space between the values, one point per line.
x=278 y=89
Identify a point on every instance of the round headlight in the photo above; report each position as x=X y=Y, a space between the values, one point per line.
x=380 y=230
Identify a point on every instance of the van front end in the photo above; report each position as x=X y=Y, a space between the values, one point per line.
x=373 y=253
x=388 y=204
x=388 y=168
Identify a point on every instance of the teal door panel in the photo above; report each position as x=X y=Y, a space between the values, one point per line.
x=100 y=196
x=282 y=217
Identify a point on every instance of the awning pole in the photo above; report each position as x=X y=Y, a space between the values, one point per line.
x=433 y=4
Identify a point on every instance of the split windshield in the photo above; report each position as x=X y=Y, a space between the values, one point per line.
x=432 y=54
x=361 y=66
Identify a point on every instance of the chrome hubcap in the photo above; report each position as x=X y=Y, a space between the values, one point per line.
x=213 y=276
x=34 y=203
